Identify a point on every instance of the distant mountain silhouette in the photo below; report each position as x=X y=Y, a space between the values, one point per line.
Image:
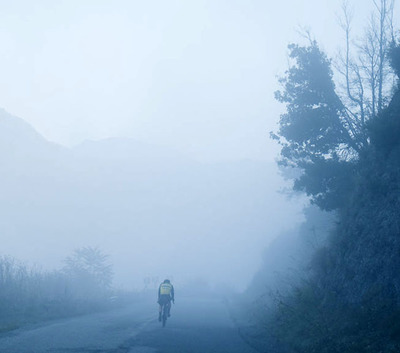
x=143 y=204
x=18 y=137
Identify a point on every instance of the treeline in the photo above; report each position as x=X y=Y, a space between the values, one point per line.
x=345 y=146
x=28 y=294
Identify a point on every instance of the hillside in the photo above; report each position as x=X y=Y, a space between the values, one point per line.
x=348 y=299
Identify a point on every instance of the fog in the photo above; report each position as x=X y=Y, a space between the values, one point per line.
x=197 y=76
x=156 y=212
x=142 y=128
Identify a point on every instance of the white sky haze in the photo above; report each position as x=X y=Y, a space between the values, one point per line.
x=197 y=76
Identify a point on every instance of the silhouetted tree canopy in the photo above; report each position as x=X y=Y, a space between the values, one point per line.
x=315 y=133
x=324 y=129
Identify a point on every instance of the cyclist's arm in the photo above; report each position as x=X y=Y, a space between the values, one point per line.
x=172 y=293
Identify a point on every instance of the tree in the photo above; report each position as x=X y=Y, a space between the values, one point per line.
x=324 y=128
x=90 y=265
x=364 y=66
x=315 y=132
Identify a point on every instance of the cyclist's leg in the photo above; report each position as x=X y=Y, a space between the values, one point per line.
x=159 y=310
x=169 y=307
x=161 y=302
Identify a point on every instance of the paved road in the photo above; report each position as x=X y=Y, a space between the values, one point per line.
x=195 y=326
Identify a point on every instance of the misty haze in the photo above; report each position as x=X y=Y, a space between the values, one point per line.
x=199 y=176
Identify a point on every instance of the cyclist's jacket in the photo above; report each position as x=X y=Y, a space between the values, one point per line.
x=166 y=289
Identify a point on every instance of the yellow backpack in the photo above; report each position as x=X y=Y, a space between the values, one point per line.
x=165 y=288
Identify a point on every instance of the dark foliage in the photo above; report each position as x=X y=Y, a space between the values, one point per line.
x=350 y=301
x=394 y=56
x=315 y=132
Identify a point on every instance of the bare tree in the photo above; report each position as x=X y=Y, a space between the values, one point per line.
x=364 y=65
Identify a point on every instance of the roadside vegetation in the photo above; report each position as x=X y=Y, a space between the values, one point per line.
x=341 y=135
x=29 y=295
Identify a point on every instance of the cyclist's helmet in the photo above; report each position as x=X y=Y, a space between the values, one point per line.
x=167 y=281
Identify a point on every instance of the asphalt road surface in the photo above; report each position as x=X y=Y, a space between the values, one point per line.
x=195 y=325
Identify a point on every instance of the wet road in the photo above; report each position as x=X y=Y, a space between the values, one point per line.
x=196 y=325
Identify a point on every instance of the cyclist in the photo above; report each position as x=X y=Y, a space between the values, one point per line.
x=165 y=295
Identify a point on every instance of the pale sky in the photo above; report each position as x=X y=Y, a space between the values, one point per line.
x=197 y=76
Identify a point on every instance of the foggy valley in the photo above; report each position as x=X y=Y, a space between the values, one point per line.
x=154 y=211
x=199 y=176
